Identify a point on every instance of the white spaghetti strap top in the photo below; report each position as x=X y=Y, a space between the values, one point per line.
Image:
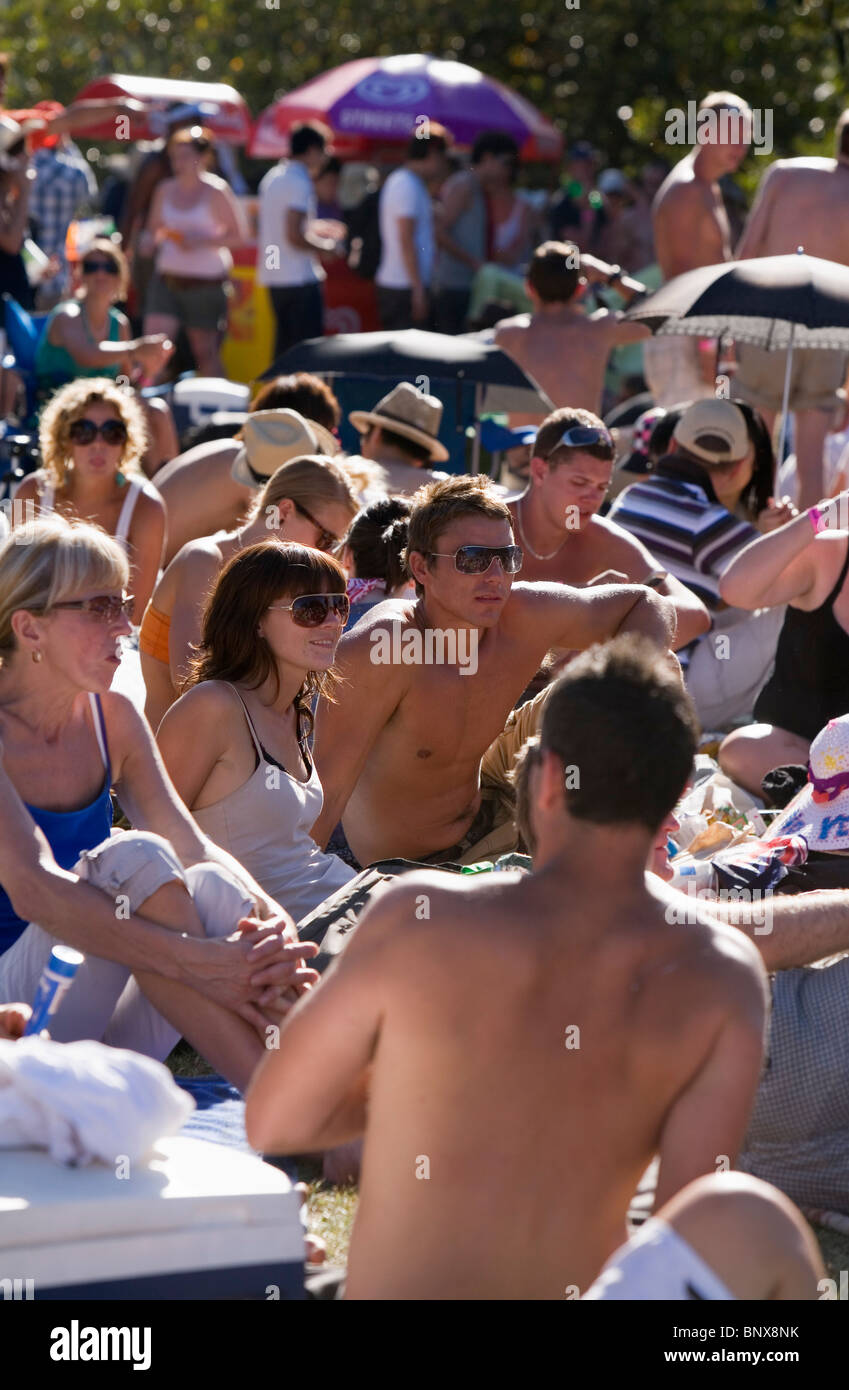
x=136 y=487
x=122 y=530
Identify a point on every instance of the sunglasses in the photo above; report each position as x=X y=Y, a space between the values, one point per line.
x=311 y=610
x=476 y=559
x=326 y=539
x=108 y=267
x=581 y=436
x=86 y=431
x=109 y=608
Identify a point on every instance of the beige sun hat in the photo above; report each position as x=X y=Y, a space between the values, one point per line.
x=273 y=437
x=407 y=412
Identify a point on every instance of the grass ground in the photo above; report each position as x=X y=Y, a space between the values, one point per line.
x=331 y=1210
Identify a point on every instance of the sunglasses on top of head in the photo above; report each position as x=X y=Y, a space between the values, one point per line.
x=476 y=559
x=581 y=437
x=91 y=267
x=86 y=431
x=311 y=610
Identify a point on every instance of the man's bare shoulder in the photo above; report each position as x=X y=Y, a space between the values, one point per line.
x=718 y=955
x=514 y=328
x=429 y=901
x=385 y=622
x=214 y=451
x=615 y=542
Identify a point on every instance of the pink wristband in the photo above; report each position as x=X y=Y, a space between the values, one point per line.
x=817 y=520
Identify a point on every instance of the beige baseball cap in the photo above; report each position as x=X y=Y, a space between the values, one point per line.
x=273 y=437
x=714 y=430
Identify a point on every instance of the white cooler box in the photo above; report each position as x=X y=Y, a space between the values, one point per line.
x=195 y=1221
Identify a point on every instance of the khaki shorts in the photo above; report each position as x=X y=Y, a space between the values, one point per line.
x=202 y=306
x=815 y=378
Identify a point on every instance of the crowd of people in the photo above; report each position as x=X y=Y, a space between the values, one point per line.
x=349 y=678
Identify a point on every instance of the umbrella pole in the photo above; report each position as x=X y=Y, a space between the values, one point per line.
x=784 y=401
x=476 y=445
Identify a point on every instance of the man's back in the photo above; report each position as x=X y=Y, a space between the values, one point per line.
x=565 y=352
x=532 y=1049
x=802 y=202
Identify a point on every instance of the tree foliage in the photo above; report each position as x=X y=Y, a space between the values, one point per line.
x=586 y=63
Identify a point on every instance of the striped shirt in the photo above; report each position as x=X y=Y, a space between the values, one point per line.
x=694 y=536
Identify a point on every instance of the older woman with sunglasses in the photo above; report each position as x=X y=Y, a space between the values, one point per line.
x=67 y=741
x=309 y=500
x=87 y=336
x=92 y=437
x=236 y=744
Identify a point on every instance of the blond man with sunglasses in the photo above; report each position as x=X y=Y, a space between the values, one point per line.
x=416 y=755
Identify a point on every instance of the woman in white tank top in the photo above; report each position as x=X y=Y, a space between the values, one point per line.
x=92 y=437
x=236 y=743
x=194 y=222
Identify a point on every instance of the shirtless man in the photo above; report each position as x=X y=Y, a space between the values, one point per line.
x=564 y=349
x=691 y=229
x=400 y=750
x=201 y=495
x=566 y=542
x=800 y=202
x=471 y=1023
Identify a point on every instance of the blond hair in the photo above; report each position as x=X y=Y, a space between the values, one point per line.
x=69 y=404
x=51 y=560
x=308 y=480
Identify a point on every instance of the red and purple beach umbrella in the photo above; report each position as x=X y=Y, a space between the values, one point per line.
x=375 y=102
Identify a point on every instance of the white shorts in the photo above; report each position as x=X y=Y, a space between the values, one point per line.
x=658 y=1265
x=104 y=1002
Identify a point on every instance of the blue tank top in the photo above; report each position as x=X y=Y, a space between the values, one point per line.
x=67 y=832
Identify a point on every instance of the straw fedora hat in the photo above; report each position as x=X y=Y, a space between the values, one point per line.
x=273 y=437
x=407 y=412
x=820 y=811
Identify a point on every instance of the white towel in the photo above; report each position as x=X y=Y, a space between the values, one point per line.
x=84 y=1101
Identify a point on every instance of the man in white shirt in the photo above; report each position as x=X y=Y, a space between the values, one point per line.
x=406 y=230
x=286 y=251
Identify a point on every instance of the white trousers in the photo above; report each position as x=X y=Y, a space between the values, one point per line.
x=104 y=1001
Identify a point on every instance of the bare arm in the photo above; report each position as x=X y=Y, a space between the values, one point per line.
x=14 y=216
x=777 y=568
x=753 y=241
x=148 y=797
x=194 y=736
x=678 y=228
x=455 y=196
x=236 y=232
x=707 y=1123
x=573 y=619
x=409 y=252
x=628 y=554
x=147 y=544
x=299 y=235
x=195 y=572
x=791 y=931
x=234 y=973
x=68 y=330
x=311 y=1094
x=347 y=730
